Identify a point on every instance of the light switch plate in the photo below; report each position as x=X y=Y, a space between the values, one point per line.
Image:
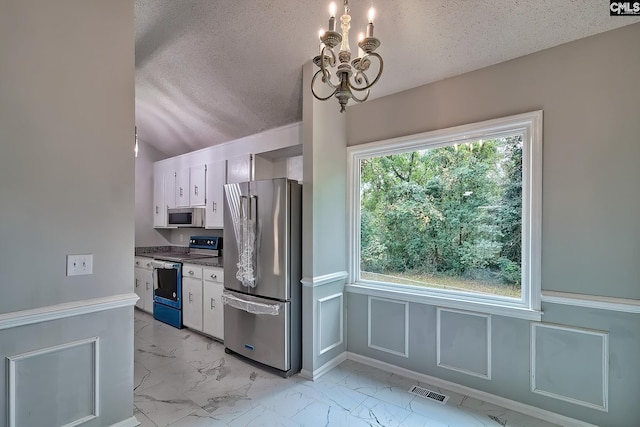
x=78 y=265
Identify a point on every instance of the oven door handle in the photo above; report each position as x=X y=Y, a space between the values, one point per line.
x=164 y=264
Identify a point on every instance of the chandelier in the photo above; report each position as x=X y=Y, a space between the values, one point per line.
x=350 y=75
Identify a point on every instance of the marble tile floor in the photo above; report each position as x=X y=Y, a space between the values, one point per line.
x=183 y=379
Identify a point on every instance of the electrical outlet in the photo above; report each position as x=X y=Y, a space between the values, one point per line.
x=78 y=265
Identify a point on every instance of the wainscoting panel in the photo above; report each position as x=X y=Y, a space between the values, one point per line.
x=463 y=342
x=570 y=364
x=388 y=326
x=330 y=322
x=55 y=385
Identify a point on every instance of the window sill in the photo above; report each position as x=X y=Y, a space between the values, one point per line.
x=448 y=301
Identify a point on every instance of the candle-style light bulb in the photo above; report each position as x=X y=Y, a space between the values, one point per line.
x=332 y=16
x=360 y=51
x=320 y=34
x=372 y=15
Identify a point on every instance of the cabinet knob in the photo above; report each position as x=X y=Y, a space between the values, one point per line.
x=191 y=272
x=157 y=210
x=190 y=297
x=213 y=303
x=195 y=190
x=136 y=283
x=137 y=262
x=214 y=276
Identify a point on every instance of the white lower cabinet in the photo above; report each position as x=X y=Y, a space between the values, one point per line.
x=192 y=296
x=202 y=299
x=213 y=312
x=143 y=285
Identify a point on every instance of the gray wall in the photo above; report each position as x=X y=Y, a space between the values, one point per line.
x=146 y=235
x=67 y=181
x=589 y=92
x=323 y=229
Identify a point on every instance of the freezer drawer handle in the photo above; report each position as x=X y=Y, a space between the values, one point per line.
x=250 y=306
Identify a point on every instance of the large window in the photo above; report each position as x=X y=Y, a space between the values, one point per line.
x=452 y=215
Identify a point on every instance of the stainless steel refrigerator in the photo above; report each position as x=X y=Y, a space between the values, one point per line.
x=262 y=272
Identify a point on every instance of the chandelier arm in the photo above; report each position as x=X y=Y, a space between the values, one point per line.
x=313 y=80
x=368 y=86
x=355 y=98
x=332 y=58
x=326 y=73
x=358 y=78
x=326 y=78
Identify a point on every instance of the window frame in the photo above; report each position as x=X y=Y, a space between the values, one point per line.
x=528 y=306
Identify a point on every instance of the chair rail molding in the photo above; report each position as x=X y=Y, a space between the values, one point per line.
x=312 y=282
x=625 y=305
x=68 y=309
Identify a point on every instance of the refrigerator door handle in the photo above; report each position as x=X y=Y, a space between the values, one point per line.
x=243 y=208
x=250 y=305
x=254 y=216
x=253 y=201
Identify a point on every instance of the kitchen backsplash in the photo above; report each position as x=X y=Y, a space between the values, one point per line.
x=180 y=236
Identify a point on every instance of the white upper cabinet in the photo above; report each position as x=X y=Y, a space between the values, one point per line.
x=216 y=174
x=159 y=210
x=197 y=179
x=182 y=188
x=170 y=189
x=197 y=185
x=164 y=195
x=240 y=169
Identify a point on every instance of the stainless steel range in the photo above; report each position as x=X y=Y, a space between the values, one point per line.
x=167 y=276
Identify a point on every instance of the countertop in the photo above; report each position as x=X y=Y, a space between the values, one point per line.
x=151 y=251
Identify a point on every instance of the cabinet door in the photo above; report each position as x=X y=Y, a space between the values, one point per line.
x=192 y=303
x=182 y=188
x=147 y=291
x=159 y=210
x=170 y=189
x=216 y=173
x=240 y=169
x=139 y=275
x=213 y=323
x=197 y=185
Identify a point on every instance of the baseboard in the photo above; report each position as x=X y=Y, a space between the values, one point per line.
x=129 y=422
x=305 y=373
x=523 y=408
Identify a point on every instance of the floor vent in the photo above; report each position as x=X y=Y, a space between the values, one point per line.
x=429 y=394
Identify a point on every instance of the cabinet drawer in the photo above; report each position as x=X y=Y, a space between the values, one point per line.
x=190 y=270
x=214 y=274
x=143 y=262
x=264 y=338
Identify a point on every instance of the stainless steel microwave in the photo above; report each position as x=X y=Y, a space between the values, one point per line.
x=185 y=217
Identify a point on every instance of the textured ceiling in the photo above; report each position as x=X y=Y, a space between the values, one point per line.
x=210 y=71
